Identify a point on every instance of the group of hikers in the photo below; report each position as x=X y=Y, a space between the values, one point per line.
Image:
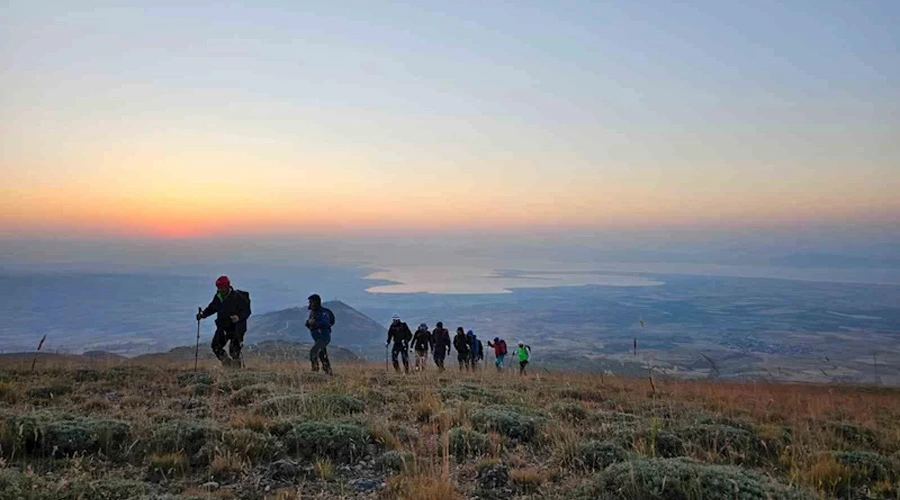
x=469 y=348
x=232 y=309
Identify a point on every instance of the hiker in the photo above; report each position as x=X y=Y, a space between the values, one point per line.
x=499 y=346
x=440 y=344
x=523 y=353
x=320 y=321
x=400 y=334
x=463 y=352
x=421 y=342
x=476 y=349
x=232 y=308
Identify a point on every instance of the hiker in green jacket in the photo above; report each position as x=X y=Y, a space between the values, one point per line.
x=523 y=354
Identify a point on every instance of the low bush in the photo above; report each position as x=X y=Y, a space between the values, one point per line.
x=652 y=442
x=343 y=442
x=596 y=455
x=570 y=412
x=394 y=461
x=467 y=442
x=511 y=421
x=253 y=446
x=730 y=444
x=188 y=436
x=50 y=434
x=251 y=393
x=685 y=479
x=313 y=405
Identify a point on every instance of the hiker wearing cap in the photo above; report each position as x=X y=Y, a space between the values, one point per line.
x=440 y=344
x=401 y=335
x=523 y=353
x=421 y=343
x=320 y=321
x=232 y=308
x=499 y=346
x=463 y=352
x=476 y=349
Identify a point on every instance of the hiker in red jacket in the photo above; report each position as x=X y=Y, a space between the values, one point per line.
x=499 y=346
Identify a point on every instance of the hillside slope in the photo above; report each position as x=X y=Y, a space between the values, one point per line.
x=153 y=429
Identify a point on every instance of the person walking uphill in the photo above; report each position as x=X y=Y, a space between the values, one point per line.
x=421 y=343
x=440 y=344
x=320 y=321
x=463 y=352
x=476 y=349
x=232 y=308
x=523 y=353
x=400 y=334
x=499 y=346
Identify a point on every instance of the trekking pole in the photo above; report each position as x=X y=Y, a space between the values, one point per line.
x=197 y=348
x=385 y=358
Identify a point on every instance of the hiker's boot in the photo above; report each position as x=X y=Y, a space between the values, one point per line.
x=314 y=365
x=327 y=367
x=396 y=366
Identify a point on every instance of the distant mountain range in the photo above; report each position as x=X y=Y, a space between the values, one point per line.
x=352 y=328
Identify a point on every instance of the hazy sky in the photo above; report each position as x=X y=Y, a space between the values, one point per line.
x=189 y=119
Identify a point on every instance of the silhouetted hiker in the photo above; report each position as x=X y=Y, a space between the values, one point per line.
x=440 y=344
x=400 y=334
x=476 y=349
x=320 y=321
x=232 y=308
x=523 y=353
x=421 y=342
x=499 y=346
x=463 y=352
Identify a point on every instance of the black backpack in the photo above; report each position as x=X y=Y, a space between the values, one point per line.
x=330 y=315
x=244 y=294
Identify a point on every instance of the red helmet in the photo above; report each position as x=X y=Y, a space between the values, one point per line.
x=223 y=281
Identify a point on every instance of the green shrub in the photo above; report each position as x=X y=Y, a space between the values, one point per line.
x=16 y=485
x=44 y=434
x=571 y=412
x=466 y=442
x=51 y=391
x=855 y=435
x=334 y=440
x=598 y=455
x=254 y=446
x=651 y=441
x=465 y=392
x=188 y=436
x=167 y=465
x=86 y=375
x=251 y=393
x=191 y=378
x=394 y=461
x=868 y=467
x=731 y=444
x=8 y=393
x=316 y=405
x=513 y=422
x=684 y=479
x=235 y=381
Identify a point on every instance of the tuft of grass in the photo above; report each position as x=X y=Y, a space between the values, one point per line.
x=338 y=441
x=226 y=466
x=513 y=422
x=324 y=469
x=420 y=486
x=467 y=442
x=251 y=421
x=169 y=465
x=319 y=406
x=427 y=407
x=527 y=481
x=382 y=435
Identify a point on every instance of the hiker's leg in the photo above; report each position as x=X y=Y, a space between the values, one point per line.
x=323 y=357
x=234 y=349
x=314 y=357
x=404 y=354
x=218 y=345
x=394 y=353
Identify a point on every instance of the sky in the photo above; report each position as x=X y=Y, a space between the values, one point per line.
x=189 y=121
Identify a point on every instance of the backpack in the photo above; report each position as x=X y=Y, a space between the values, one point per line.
x=245 y=294
x=502 y=347
x=330 y=315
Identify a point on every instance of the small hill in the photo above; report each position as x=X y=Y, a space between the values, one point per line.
x=352 y=328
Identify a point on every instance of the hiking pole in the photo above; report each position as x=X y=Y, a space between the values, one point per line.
x=385 y=357
x=197 y=348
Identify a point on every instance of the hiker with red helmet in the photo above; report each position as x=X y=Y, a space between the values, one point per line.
x=500 y=350
x=232 y=308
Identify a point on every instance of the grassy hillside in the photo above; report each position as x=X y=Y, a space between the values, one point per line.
x=274 y=431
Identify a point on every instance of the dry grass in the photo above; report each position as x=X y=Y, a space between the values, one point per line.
x=802 y=427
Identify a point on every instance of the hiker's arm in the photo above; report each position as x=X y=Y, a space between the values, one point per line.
x=211 y=309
